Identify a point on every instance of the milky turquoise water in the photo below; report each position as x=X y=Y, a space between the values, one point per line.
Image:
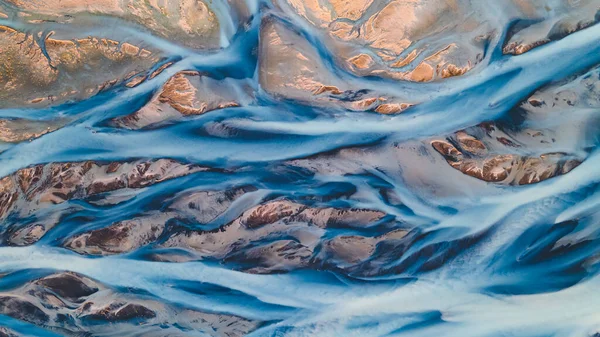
x=488 y=261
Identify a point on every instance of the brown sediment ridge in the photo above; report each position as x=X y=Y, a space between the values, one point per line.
x=64 y=73
x=185 y=93
x=278 y=235
x=384 y=42
x=275 y=236
x=31 y=189
x=17 y=129
x=571 y=18
x=73 y=304
x=189 y=22
x=488 y=153
x=470 y=156
x=402 y=39
x=290 y=68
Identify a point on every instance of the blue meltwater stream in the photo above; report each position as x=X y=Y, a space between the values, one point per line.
x=260 y=188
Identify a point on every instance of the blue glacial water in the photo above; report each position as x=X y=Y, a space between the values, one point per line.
x=477 y=258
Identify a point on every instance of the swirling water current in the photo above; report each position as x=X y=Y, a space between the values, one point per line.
x=480 y=259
